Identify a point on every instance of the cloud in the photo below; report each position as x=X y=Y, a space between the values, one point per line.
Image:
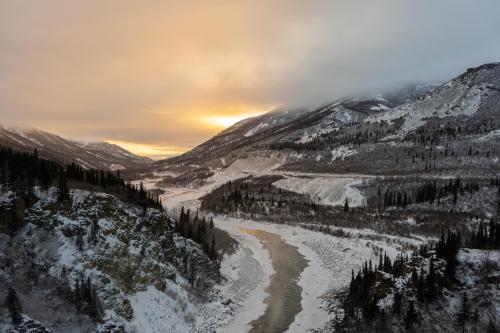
x=145 y=71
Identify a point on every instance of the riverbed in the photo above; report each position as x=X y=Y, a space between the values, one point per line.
x=283 y=294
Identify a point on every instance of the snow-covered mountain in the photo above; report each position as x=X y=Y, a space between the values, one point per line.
x=279 y=124
x=98 y=155
x=375 y=130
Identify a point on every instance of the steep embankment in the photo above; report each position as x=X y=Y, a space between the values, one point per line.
x=99 y=264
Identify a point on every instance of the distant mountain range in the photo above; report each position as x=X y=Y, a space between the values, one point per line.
x=282 y=123
x=366 y=134
x=98 y=155
x=373 y=134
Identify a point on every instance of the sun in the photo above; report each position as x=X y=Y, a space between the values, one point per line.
x=219 y=117
x=226 y=121
x=152 y=151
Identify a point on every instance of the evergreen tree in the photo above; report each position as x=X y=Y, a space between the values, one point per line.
x=346 y=206
x=431 y=279
x=79 y=239
x=94 y=304
x=421 y=286
x=398 y=303
x=77 y=295
x=414 y=277
x=463 y=314
x=13 y=304
x=63 y=190
x=94 y=228
x=475 y=319
x=213 y=251
x=492 y=327
x=411 y=316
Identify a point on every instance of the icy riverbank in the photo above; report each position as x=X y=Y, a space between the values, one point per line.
x=247 y=272
x=330 y=258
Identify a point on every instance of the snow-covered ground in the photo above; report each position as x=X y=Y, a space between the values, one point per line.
x=330 y=258
x=340 y=153
x=247 y=272
x=451 y=99
x=326 y=189
x=248 y=275
x=331 y=191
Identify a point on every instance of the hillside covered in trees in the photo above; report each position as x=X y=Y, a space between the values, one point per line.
x=79 y=248
x=445 y=286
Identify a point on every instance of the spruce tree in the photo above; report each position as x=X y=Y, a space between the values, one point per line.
x=414 y=277
x=431 y=279
x=77 y=295
x=411 y=316
x=63 y=190
x=421 y=286
x=492 y=327
x=213 y=251
x=398 y=302
x=463 y=314
x=475 y=319
x=13 y=304
x=79 y=240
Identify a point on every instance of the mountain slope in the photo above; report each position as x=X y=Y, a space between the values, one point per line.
x=430 y=129
x=97 y=155
x=130 y=257
x=279 y=124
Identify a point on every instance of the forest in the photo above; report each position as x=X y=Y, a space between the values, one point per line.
x=417 y=283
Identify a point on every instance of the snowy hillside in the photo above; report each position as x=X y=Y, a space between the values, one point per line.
x=96 y=155
x=462 y=96
x=300 y=124
x=134 y=262
x=381 y=133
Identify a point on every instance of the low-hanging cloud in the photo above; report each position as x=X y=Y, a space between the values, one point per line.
x=148 y=71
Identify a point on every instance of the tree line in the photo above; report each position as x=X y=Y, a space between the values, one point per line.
x=198 y=230
x=431 y=268
x=361 y=300
x=428 y=191
x=21 y=171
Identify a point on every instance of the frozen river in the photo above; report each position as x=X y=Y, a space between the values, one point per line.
x=284 y=293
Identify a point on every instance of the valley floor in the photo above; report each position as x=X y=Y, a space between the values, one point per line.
x=330 y=261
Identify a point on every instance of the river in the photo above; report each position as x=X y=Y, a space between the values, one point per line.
x=284 y=294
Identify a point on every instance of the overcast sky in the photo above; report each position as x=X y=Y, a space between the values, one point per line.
x=163 y=76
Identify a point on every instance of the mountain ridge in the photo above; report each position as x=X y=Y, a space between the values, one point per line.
x=373 y=127
x=91 y=155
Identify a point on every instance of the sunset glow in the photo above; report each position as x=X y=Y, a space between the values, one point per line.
x=227 y=121
x=161 y=74
x=152 y=151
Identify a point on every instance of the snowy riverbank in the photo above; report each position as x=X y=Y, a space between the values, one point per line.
x=330 y=258
x=247 y=272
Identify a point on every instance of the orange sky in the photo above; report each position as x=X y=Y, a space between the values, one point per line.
x=163 y=76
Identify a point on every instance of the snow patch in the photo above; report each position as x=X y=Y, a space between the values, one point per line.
x=325 y=190
x=342 y=152
x=156 y=312
x=489 y=136
x=116 y=166
x=452 y=99
x=256 y=129
x=380 y=107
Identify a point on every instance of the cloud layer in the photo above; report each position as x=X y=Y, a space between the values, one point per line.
x=150 y=72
